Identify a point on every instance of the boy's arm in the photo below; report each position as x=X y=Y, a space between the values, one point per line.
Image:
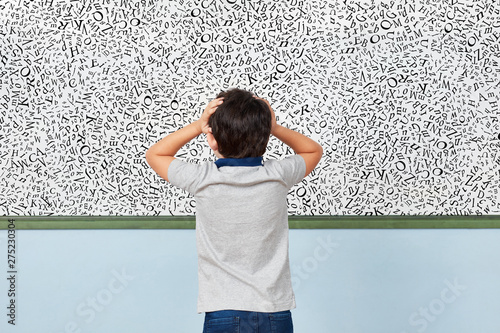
x=162 y=153
x=309 y=149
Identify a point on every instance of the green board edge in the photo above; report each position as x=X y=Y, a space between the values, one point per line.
x=295 y=222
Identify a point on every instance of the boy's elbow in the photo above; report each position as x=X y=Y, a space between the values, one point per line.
x=149 y=155
x=318 y=154
x=319 y=150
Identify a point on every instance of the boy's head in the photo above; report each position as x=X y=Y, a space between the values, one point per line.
x=241 y=125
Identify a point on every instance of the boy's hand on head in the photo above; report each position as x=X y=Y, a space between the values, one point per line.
x=209 y=110
x=309 y=149
x=273 y=116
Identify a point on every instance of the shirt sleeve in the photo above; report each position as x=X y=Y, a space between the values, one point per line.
x=185 y=175
x=293 y=169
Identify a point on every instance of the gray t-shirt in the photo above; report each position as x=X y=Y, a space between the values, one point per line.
x=241 y=232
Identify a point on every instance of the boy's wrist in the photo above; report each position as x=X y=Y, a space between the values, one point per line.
x=275 y=128
x=198 y=124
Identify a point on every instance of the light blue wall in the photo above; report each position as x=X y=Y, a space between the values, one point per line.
x=346 y=281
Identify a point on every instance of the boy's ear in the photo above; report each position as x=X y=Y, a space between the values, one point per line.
x=212 y=142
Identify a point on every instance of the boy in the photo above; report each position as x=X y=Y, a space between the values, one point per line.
x=241 y=220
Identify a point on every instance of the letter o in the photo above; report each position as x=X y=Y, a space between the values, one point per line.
x=193 y=14
x=441 y=144
x=448 y=27
x=471 y=41
x=439 y=173
x=135 y=19
x=86 y=148
x=301 y=192
x=205 y=41
x=391 y=79
x=101 y=16
x=281 y=72
x=26 y=74
x=372 y=39
x=174 y=102
x=400 y=163
x=148 y=100
x=385 y=24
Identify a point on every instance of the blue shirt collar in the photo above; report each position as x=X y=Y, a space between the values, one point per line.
x=246 y=161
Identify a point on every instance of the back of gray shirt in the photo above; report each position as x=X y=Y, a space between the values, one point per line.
x=241 y=232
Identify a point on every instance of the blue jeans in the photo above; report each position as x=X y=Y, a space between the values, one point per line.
x=232 y=321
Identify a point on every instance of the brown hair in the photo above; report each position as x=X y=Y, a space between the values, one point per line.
x=241 y=125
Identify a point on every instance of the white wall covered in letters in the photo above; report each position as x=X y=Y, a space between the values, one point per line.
x=403 y=96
